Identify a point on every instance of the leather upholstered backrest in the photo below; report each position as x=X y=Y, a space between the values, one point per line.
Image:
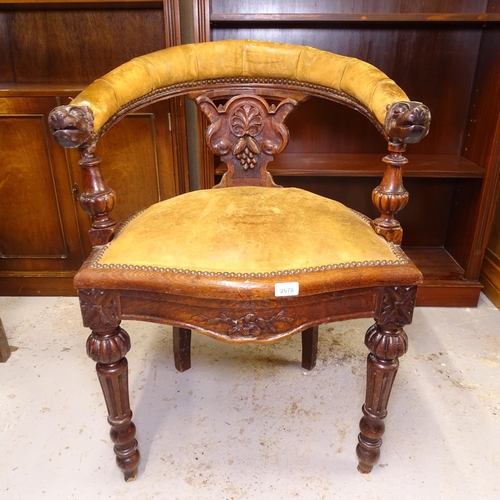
x=174 y=71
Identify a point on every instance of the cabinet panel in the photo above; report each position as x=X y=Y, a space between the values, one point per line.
x=78 y=45
x=34 y=192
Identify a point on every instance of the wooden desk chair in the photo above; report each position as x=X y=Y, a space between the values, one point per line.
x=248 y=261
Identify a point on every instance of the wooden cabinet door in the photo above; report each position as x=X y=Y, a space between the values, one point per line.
x=38 y=225
x=43 y=230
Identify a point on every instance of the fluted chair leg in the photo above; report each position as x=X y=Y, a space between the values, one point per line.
x=108 y=349
x=386 y=345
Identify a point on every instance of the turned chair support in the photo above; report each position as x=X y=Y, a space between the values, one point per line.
x=97 y=199
x=390 y=196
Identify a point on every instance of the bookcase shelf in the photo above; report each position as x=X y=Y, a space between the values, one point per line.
x=445 y=54
x=369 y=165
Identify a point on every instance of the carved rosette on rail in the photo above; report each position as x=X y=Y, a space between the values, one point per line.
x=246 y=132
x=406 y=123
x=387 y=341
x=100 y=309
x=397 y=306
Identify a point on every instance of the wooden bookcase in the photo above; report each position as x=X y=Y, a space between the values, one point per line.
x=49 y=51
x=443 y=53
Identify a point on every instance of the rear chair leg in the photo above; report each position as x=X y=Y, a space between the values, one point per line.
x=309 y=347
x=4 y=345
x=182 y=348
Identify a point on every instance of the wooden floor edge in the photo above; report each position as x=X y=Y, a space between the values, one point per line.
x=55 y=285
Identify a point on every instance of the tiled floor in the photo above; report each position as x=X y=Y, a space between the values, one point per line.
x=247 y=422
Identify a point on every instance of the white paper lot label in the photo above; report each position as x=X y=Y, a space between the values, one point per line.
x=286 y=289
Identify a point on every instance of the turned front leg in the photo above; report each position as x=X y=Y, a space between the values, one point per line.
x=108 y=349
x=386 y=346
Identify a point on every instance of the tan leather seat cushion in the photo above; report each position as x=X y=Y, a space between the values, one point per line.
x=247 y=230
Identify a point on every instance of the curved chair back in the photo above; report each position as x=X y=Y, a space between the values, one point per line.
x=205 y=72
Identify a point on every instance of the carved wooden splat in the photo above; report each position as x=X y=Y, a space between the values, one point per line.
x=246 y=132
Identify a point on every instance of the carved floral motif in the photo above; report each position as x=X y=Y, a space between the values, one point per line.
x=99 y=309
x=246 y=131
x=397 y=306
x=251 y=325
x=246 y=120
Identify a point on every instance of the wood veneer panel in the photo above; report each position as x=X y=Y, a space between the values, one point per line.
x=81 y=45
x=34 y=192
x=341 y=6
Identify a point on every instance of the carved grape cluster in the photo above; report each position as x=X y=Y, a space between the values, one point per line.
x=246 y=129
